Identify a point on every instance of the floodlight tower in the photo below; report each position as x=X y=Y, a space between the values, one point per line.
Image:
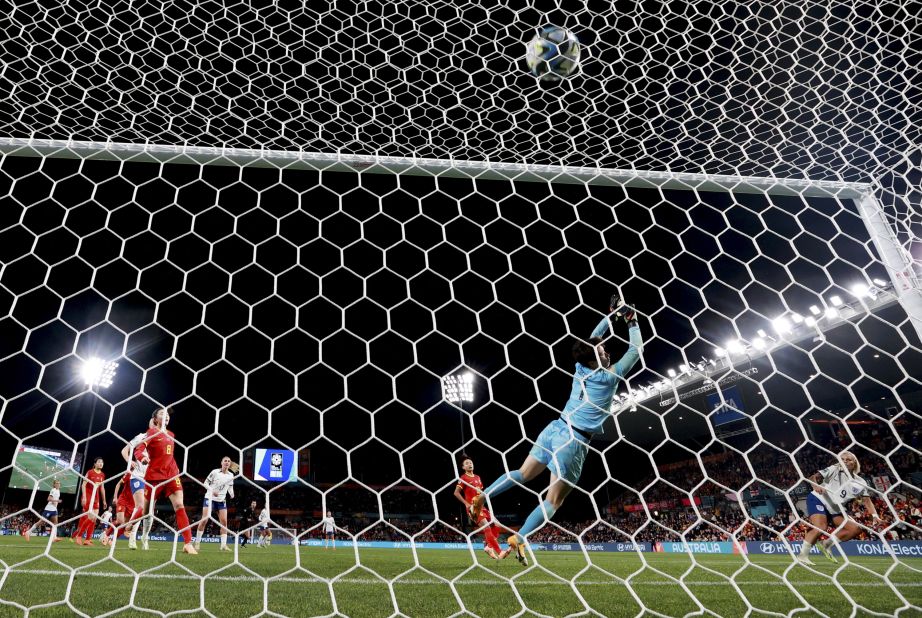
x=96 y=373
x=458 y=388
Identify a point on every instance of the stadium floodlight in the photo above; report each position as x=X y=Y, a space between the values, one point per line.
x=815 y=310
x=735 y=346
x=832 y=312
x=683 y=368
x=782 y=325
x=671 y=373
x=758 y=343
x=761 y=333
x=458 y=387
x=836 y=300
x=797 y=318
x=720 y=352
x=810 y=321
x=97 y=372
x=879 y=283
x=860 y=290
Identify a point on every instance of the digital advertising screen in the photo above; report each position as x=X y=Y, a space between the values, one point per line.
x=275 y=465
x=45 y=465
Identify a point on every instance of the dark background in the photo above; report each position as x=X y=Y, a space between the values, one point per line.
x=266 y=305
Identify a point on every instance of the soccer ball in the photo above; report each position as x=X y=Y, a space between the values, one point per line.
x=553 y=54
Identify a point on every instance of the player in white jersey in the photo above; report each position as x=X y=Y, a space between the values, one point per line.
x=218 y=485
x=833 y=488
x=329 y=530
x=265 y=536
x=50 y=512
x=140 y=491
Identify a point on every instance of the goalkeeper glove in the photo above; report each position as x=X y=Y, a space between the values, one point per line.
x=623 y=311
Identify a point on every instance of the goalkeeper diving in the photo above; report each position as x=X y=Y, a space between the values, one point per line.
x=562 y=445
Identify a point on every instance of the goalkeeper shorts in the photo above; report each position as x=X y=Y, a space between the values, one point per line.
x=561 y=450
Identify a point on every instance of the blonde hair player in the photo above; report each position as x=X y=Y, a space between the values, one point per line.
x=833 y=488
x=218 y=485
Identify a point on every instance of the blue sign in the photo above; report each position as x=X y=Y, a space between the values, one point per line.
x=726 y=410
x=698 y=547
x=276 y=465
x=911 y=549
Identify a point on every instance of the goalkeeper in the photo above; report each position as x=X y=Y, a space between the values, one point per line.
x=563 y=444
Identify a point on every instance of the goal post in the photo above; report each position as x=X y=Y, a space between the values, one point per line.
x=312 y=304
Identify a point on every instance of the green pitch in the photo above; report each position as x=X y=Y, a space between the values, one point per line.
x=314 y=581
x=45 y=468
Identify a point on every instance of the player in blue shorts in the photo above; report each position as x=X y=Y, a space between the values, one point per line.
x=564 y=443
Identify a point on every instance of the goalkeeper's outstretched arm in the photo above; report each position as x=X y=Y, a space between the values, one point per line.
x=619 y=310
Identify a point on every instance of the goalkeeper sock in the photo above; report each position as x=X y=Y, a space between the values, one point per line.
x=182 y=522
x=503 y=483
x=537 y=518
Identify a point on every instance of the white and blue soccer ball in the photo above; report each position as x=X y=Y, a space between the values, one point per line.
x=553 y=54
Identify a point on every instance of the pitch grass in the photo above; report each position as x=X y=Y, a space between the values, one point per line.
x=314 y=581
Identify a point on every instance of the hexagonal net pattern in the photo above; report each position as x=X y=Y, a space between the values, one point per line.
x=316 y=314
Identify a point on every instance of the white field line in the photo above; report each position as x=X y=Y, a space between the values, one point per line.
x=437 y=582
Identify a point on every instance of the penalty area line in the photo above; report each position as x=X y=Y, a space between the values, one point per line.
x=429 y=582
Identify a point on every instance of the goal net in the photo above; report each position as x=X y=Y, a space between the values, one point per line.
x=351 y=246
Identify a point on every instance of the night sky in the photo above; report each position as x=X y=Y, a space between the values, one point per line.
x=320 y=310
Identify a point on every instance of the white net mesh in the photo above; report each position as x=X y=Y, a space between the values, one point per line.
x=283 y=300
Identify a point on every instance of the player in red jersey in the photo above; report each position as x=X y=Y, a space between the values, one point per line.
x=163 y=473
x=124 y=505
x=90 y=495
x=469 y=486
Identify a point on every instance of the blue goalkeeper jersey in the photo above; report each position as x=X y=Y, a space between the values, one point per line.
x=593 y=389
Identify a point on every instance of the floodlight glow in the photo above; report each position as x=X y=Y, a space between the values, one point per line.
x=758 y=343
x=670 y=373
x=683 y=368
x=810 y=321
x=782 y=325
x=879 y=283
x=97 y=372
x=835 y=300
x=860 y=290
x=815 y=310
x=458 y=388
x=832 y=312
x=720 y=352
x=762 y=333
x=735 y=346
x=797 y=318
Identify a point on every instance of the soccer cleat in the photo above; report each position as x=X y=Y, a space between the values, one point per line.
x=491 y=552
x=188 y=548
x=504 y=553
x=519 y=550
x=826 y=552
x=198 y=545
x=225 y=548
x=144 y=545
x=805 y=560
x=476 y=507
x=77 y=540
x=104 y=541
x=88 y=542
x=132 y=544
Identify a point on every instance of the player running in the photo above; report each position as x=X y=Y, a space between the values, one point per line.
x=469 y=487
x=163 y=473
x=91 y=493
x=329 y=530
x=248 y=520
x=218 y=485
x=265 y=535
x=124 y=505
x=833 y=488
x=50 y=512
x=138 y=461
x=562 y=445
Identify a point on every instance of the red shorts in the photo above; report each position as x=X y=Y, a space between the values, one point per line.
x=163 y=488
x=91 y=507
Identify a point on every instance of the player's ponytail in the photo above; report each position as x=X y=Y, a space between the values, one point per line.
x=234 y=467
